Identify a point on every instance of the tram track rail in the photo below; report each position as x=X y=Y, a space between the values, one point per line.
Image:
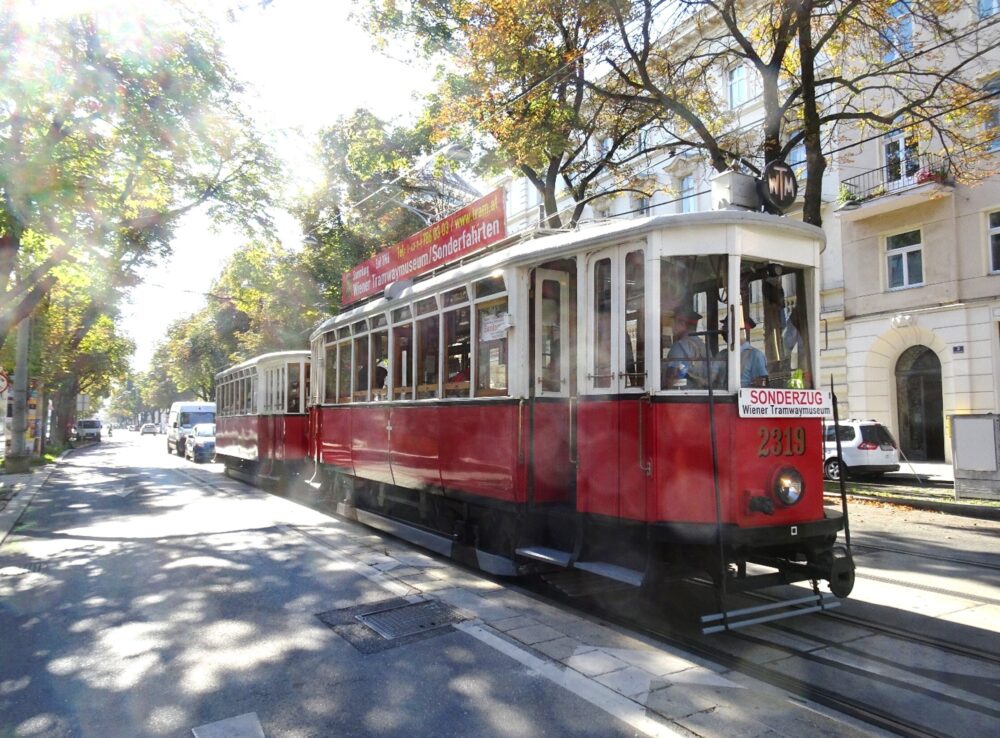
x=702 y=647
x=922 y=555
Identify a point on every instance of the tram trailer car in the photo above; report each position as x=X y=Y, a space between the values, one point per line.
x=262 y=422
x=547 y=404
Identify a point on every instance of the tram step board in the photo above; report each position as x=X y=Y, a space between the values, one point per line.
x=548 y=555
x=611 y=571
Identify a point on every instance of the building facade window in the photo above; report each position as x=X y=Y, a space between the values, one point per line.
x=902 y=158
x=988 y=8
x=688 y=196
x=736 y=80
x=994 y=235
x=898 y=35
x=904 y=260
x=797 y=160
x=992 y=123
x=642 y=205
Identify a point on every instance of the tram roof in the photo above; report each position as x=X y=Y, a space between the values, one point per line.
x=275 y=356
x=531 y=248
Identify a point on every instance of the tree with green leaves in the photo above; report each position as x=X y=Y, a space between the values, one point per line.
x=110 y=132
x=826 y=71
x=520 y=92
x=383 y=182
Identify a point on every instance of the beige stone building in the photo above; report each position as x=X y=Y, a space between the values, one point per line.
x=910 y=283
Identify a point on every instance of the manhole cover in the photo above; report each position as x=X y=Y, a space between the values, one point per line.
x=379 y=626
x=419 y=617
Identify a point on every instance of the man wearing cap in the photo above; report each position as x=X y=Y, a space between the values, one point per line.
x=753 y=366
x=686 y=365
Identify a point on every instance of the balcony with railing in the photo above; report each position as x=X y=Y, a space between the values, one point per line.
x=904 y=180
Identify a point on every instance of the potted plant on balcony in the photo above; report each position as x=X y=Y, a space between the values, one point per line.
x=933 y=174
x=847 y=194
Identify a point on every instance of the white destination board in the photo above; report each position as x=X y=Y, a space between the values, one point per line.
x=773 y=402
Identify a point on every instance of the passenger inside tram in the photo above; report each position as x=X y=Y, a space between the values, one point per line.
x=753 y=366
x=687 y=362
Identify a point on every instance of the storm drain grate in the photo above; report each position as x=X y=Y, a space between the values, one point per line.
x=420 y=617
x=379 y=626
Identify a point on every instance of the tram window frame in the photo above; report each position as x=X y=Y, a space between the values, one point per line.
x=456 y=386
x=345 y=370
x=379 y=394
x=330 y=366
x=484 y=386
x=694 y=295
x=778 y=301
x=427 y=330
x=632 y=291
x=296 y=383
x=362 y=363
x=307 y=379
x=455 y=297
x=491 y=286
x=401 y=382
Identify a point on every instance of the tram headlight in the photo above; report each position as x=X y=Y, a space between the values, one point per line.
x=788 y=485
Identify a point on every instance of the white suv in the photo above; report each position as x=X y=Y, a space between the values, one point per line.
x=867 y=445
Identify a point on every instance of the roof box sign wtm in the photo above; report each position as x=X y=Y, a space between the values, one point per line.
x=470 y=229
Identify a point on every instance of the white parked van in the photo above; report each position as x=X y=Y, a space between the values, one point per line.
x=89 y=430
x=184 y=415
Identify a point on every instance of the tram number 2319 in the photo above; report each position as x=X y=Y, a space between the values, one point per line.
x=781 y=441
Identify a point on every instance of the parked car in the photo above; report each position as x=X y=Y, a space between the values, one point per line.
x=867 y=446
x=148 y=428
x=199 y=445
x=88 y=430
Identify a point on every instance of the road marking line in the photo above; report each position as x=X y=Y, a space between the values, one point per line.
x=241 y=726
x=593 y=692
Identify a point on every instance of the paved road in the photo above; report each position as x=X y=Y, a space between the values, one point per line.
x=143 y=596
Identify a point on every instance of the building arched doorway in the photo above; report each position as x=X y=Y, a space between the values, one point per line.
x=919 y=404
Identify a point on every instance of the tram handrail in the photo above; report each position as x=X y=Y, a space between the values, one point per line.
x=644 y=465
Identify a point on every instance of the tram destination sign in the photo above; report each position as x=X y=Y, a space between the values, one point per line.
x=474 y=227
x=774 y=402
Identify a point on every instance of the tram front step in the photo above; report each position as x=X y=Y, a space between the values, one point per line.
x=564 y=559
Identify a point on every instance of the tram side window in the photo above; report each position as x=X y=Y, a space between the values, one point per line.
x=380 y=362
x=492 y=323
x=307 y=394
x=693 y=310
x=330 y=374
x=427 y=357
x=602 y=324
x=293 y=388
x=776 y=325
x=635 y=320
x=344 y=371
x=361 y=369
x=402 y=362
x=458 y=356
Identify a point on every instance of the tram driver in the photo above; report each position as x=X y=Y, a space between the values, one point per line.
x=687 y=364
x=753 y=366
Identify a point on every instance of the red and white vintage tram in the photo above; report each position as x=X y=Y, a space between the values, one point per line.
x=569 y=400
x=262 y=416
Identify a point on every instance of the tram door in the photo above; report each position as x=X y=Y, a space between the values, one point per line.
x=611 y=474
x=553 y=337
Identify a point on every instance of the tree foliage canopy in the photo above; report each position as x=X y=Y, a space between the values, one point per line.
x=111 y=128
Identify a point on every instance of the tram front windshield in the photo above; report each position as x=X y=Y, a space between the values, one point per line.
x=771 y=334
